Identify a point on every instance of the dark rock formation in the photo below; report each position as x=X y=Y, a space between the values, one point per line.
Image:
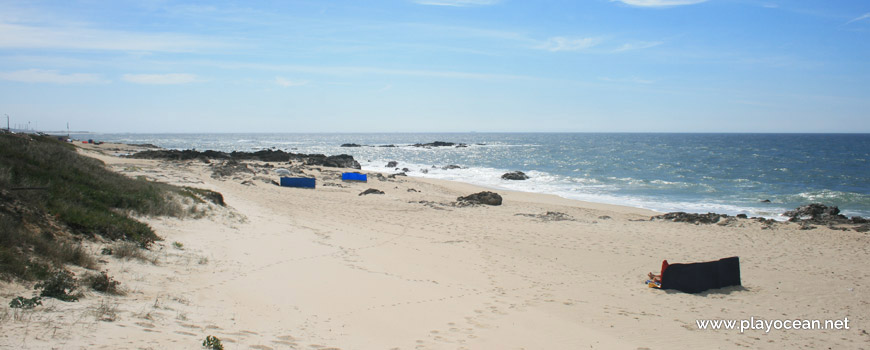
x=515 y=175
x=339 y=161
x=709 y=218
x=392 y=164
x=859 y=220
x=387 y=146
x=439 y=144
x=765 y=201
x=406 y=170
x=485 y=197
x=741 y=216
x=434 y=144
x=818 y=214
x=350 y=145
x=371 y=191
x=451 y=166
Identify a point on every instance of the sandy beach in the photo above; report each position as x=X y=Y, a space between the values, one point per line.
x=287 y=268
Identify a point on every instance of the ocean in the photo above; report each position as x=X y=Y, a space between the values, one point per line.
x=721 y=173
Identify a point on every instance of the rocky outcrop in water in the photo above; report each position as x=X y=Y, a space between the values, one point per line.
x=350 y=145
x=485 y=197
x=392 y=164
x=515 y=175
x=451 y=166
x=439 y=144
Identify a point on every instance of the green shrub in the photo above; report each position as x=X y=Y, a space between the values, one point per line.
x=58 y=286
x=212 y=343
x=24 y=303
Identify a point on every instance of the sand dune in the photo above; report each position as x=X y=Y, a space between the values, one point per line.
x=284 y=268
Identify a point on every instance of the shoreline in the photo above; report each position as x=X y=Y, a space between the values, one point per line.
x=331 y=269
x=664 y=191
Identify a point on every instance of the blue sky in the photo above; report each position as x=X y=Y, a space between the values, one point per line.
x=437 y=65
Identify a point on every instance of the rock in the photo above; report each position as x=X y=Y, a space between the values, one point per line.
x=604 y=217
x=709 y=218
x=859 y=220
x=816 y=213
x=387 y=146
x=741 y=216
x=339 y=161
x=434 y=144
x=350 y=145
x=765 y=201
x=412 y=190
x=862 y=228
x=393 y=176
x=406 y=170
x=268 y=155
x=451 y=166
x=392 y=164
x=485 y=197
x=424 y=171
x=371 y=191
x=515 y=175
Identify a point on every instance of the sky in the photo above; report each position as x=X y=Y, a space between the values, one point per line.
x=437 y=65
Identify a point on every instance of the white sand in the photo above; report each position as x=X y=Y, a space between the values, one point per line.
x=285 y=268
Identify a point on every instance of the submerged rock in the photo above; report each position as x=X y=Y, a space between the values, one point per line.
x=515 y=175
x=350 y=145
x=451 y=166
x=392 y=164
x=437 y=144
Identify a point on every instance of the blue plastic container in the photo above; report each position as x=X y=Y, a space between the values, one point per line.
x=302 y=182
x=354 y=177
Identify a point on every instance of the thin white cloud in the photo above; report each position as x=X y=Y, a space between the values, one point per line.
x=860 y=18
x=85 y=38
x=659 y=3
x=568 y=44
x=637 y=46
x=457 y=3
x=160 y=79
x=346 y=71
x=633 y=80
x=288 y=83
x=51 y=76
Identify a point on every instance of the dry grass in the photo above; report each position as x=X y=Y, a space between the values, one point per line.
x=106 y=311
x=130 y=250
